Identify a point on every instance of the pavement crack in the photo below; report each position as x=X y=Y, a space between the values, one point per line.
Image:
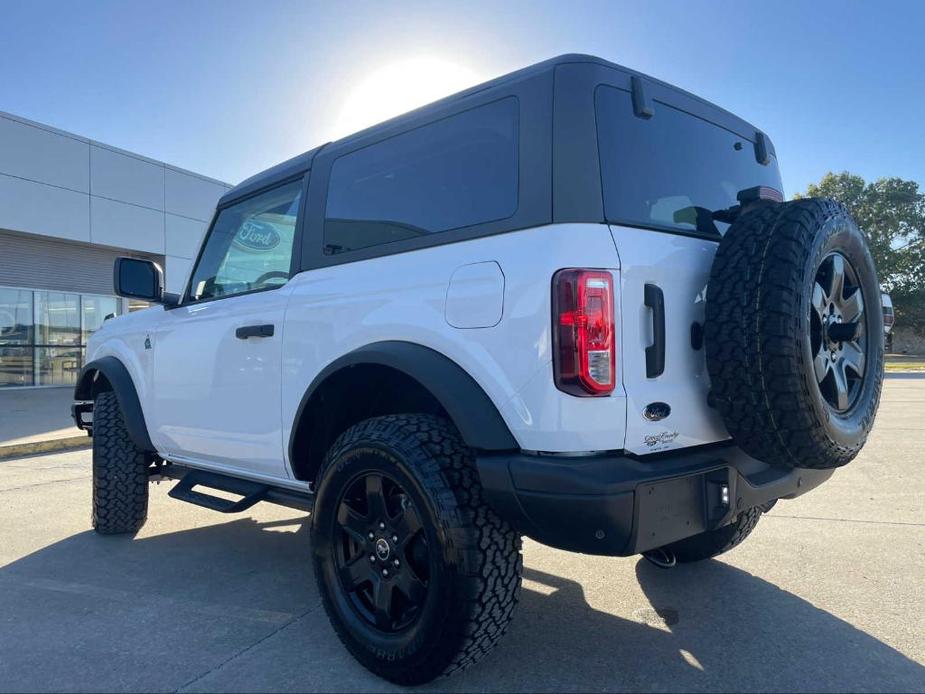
x=845 y=520
x=102 y=592
x=45 y=484
x=247 y=649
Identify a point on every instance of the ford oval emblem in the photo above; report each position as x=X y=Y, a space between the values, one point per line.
x=656 y=411
x=257 y=236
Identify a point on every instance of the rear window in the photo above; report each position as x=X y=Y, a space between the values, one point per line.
x=674 y=169
x=453 y=173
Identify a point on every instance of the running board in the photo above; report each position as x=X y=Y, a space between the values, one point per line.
x=250 y=492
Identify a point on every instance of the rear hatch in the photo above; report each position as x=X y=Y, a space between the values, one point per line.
x=663 y=282
x=664 y=172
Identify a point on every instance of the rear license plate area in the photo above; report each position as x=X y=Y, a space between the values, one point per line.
x=670 y=510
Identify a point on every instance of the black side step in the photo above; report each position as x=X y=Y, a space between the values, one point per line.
x=251 y=492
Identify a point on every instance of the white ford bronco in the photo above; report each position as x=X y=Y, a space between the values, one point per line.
x=569 y=303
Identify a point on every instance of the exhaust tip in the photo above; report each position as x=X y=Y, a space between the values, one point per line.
x=660 y=556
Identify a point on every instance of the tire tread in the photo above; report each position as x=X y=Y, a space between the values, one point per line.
x=120 y=472
x=753 y=338
x=715 y=542
x=488 y=549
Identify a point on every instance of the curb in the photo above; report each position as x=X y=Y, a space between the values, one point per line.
x=19 y=450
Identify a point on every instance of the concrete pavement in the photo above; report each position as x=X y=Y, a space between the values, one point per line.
x=827 y=595
x=36 y=420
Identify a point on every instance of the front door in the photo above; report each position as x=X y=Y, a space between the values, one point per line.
x=217 y=356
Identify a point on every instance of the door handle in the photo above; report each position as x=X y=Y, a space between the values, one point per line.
x=655 y=353
x=246 y=331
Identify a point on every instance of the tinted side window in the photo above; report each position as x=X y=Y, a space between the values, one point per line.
x=449 y=174
x=250 y=246
x=673 y=169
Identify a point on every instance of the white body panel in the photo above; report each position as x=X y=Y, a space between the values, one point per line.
x=335 y=310
x=680 y=266
x=475 y=297
x=216 y=397
x=124 y=338
x=228 y=404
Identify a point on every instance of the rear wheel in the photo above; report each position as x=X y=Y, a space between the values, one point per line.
x=714 y=542
x=417 y=574
x=120 y=471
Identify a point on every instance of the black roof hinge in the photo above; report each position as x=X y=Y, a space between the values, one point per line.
x=642 y=106
x=762 y=148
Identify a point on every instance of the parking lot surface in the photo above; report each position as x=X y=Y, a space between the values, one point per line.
x=828 y=594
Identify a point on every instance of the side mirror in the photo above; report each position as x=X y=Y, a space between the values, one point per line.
x=139 y=279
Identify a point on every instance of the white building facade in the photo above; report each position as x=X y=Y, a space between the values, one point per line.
x=69 y=206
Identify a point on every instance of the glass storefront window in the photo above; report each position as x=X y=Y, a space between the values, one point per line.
x=57 y=366
x=15 y=366
x=43 y=334
x=15 y=316
x=94 y=310
x=57 y=318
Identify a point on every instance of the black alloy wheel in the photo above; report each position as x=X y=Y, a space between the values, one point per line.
x=418 y=575
x=381 y=553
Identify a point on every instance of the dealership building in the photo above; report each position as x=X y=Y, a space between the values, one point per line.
x=69 y=206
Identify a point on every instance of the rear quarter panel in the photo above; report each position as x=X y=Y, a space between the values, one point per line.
x=337 y=309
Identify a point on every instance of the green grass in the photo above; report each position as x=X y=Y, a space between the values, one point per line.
x=906 y=364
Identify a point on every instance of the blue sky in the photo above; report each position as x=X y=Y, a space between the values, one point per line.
x=227 y=88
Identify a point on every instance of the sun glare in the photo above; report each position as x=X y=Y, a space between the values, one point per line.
x=399 y=87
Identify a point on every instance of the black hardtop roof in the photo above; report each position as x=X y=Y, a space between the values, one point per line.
x=301 y=163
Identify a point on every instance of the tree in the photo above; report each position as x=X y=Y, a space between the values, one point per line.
x=891 y=212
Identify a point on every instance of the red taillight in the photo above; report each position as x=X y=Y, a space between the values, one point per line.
x=584 y=354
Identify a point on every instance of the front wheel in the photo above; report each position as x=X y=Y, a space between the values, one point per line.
x=120 y=471
x=418 y=576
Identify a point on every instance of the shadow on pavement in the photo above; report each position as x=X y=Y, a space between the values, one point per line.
x=155 y=613
x=708 y=627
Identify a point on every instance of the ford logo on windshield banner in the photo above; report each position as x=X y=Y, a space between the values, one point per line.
x=257 y=236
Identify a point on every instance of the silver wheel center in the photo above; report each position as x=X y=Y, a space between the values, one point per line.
x=838 y=342
x=834 y=346
x=383 y=550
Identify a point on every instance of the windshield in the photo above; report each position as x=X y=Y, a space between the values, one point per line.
x=673 y=170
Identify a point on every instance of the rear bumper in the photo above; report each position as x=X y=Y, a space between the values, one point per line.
x=620 y=505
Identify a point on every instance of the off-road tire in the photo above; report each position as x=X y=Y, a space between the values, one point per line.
x=120 y=472
x=472 y=596
x=757 y=329
x=714 y=542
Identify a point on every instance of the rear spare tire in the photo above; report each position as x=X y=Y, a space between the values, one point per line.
x=794 y=334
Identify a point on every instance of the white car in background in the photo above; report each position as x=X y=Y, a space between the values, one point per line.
x=888 y=320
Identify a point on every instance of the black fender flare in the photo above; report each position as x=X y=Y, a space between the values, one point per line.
x=471 y=410
x=124 y=387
